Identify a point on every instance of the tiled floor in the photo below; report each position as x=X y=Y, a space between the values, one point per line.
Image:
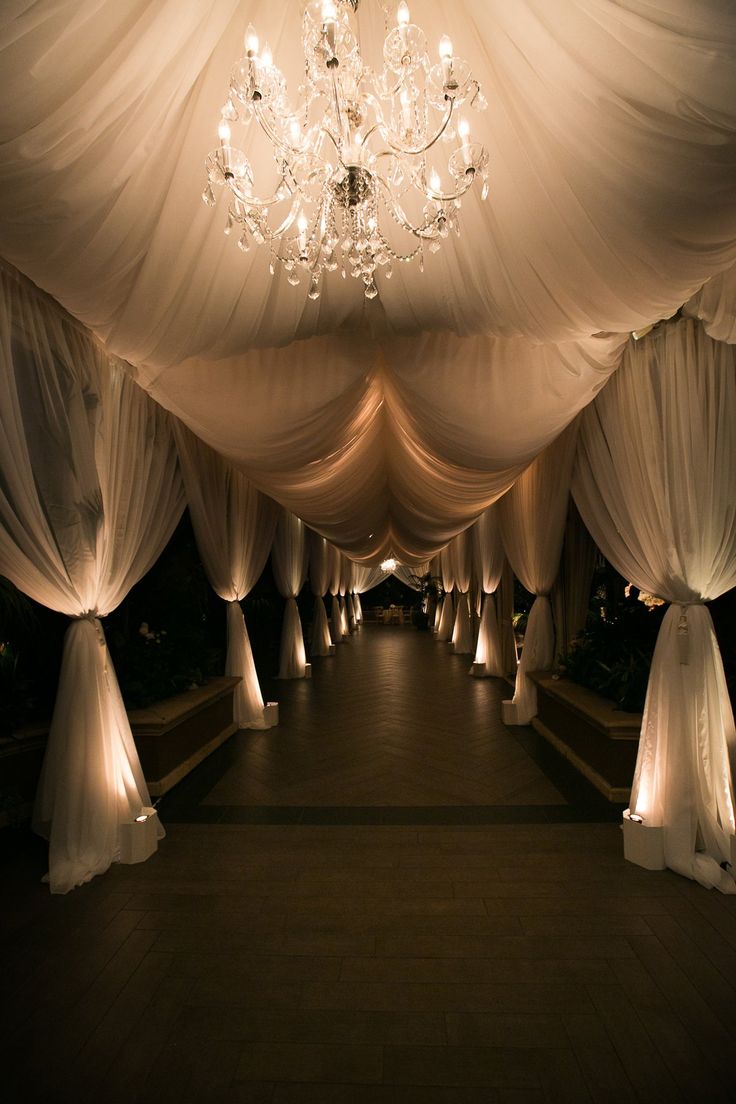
x=510 y=956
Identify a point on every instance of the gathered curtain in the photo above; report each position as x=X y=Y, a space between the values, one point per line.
x=89 y=495
x=532 y=517
x=289 y=561
x=488 y=561
x=655 y=483
x=446 y=619
x=461 y=550
x=338 y=622
x=319 y=580
x=233 y=526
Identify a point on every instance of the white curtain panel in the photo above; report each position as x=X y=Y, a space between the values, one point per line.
x=447 y=611
x=462 y=630
x=655 y=483
x=319 y=578
x=488 y=561
x=289 y=558
x=532 y=517
x=90 y=495
x=233 y=526
x=335 y=573
x=505 y=615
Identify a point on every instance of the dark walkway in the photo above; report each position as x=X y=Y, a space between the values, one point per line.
x=438 y=961
x=391 y=730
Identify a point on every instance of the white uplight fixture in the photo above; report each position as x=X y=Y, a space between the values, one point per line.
x=352 y=154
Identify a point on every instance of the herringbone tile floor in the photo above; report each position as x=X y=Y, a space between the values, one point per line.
x=433 y=954
x=392 y=729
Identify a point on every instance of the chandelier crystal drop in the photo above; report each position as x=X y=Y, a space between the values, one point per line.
x=354 y=155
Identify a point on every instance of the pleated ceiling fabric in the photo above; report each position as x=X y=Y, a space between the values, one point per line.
x=387 y=426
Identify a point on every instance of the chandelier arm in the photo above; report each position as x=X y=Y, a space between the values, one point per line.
x=273 y=136
x=255 y=201
x=398 y=214
x=416 y=152
x=287 y=223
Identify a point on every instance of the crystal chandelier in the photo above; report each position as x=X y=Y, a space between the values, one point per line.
x=354 y=155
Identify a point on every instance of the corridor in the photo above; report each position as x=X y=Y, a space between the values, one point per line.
x=388 y=899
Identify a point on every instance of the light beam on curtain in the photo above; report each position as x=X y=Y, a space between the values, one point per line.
x=233 y=526
x=447 y=610
x=462 y=629
x=655 y=483
x=319 y=579
x=532 y=517
x=488 y=559
x=289 y=561
x=336 y=617
x=89 y=496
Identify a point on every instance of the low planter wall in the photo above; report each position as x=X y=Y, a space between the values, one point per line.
x=174 y=735
x=600 y=740
x=21 y=758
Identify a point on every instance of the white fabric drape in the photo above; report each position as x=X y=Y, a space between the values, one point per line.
x=90 y=494
x=505 y=614
x=289 y=562
x=337 y=626
x=460 y=550
x=319 y=578
x=532 y=517
x=447 y=610
x=233 y=526
x=655 y=483
x=488 y=561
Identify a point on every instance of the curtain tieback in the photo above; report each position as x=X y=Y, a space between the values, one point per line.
x=683 y=630
x=94 y=619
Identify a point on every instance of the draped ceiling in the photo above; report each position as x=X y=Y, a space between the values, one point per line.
x=387 y=425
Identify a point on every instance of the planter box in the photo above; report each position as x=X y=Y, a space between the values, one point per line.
x=174 y=735
x=600 y=740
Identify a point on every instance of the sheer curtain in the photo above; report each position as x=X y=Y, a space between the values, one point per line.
x=655 y=483
x=336 y=617
x=89 y=496
x=447 y=611
x=462 y=629
x=532 y=526
x=319 y=580
x=505 y=612
x=233 y=526
x=488 y=561
x=289 y=561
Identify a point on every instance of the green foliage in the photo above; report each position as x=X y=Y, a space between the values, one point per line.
x=613 y=656
x=155 y=664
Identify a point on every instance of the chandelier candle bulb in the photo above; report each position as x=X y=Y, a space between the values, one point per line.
x=251 y=42
x=446 y=58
